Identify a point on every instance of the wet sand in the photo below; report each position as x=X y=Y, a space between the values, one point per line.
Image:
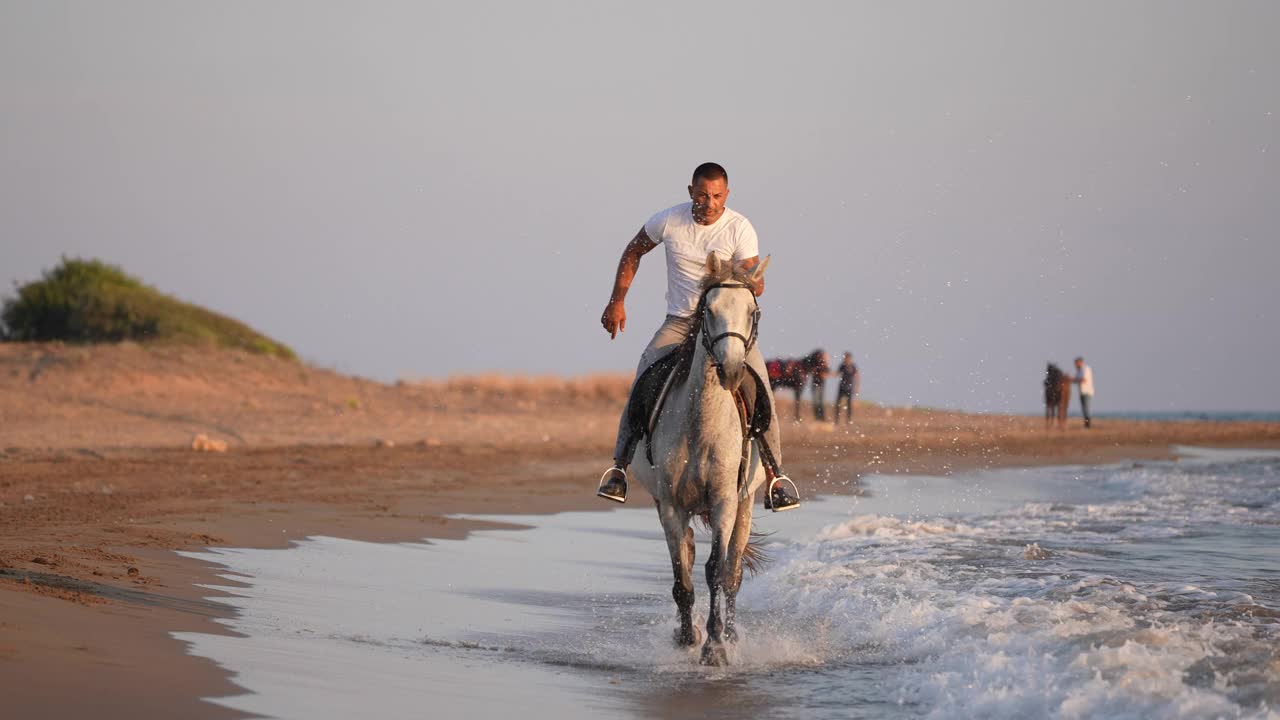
x=99 y=485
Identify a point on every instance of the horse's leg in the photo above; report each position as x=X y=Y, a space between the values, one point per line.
x=713 y=652
x=680 y=546
x=733 y=568
x=799 y=389
x=687 y=628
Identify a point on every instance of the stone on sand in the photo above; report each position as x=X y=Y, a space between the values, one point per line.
x=204 y=443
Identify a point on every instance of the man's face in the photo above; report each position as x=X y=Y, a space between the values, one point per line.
x=1079 y=364
x=708 y=198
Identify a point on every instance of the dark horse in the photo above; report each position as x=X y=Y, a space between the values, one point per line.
x=1057 y=396
x=794 y=373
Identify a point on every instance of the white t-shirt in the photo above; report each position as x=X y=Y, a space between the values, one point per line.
x=1085 y=376
x=687 y=244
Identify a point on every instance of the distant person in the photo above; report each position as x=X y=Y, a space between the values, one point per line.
x=850 y=383
x=1084 y=378
x=688 y=231
x=1057 y=396
x=821 y=371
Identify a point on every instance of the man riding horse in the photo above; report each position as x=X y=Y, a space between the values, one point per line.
x=689 y=231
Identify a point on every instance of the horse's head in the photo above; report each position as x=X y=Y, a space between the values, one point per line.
x=816 y=360
x=729 y=316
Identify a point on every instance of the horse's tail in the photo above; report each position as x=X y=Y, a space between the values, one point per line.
x=754 y=556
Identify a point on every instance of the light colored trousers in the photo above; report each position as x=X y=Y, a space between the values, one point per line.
x=672 y=332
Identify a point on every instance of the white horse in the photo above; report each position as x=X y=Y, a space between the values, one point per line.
x=697 y=447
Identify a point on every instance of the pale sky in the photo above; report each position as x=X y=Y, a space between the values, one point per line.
x=955 y=192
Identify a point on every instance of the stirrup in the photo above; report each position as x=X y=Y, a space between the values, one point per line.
x=784 y=500
x=613 y=485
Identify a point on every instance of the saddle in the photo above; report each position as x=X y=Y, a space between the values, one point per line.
x=777 y=370
x=653 y=385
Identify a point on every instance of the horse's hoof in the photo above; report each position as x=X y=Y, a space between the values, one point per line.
x=714 y=654
x=686 y=640
x=682 y=640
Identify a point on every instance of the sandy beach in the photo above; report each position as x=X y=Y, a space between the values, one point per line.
x=99 y=485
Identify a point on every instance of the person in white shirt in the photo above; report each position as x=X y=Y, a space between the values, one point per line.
x=689 y=232
x=1084 y=378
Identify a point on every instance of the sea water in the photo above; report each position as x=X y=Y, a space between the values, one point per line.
x=1131 y=591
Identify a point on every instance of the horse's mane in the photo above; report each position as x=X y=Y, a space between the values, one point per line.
x=1053 y=375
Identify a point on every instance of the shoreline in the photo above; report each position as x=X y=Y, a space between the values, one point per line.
x=87 y=636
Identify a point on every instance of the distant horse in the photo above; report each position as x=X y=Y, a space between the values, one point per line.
x=794 y=373
x=1057 y=396
x=698 y=445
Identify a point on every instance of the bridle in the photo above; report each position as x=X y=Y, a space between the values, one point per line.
x=709 y=342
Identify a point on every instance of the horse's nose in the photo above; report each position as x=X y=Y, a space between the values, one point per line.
x=731 y=377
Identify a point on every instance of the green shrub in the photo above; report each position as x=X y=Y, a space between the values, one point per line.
x=89 y=301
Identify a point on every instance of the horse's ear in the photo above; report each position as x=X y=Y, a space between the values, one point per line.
x=758 y=274
x=713 y=263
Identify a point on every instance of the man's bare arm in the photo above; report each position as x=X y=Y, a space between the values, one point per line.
x=614 y=317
